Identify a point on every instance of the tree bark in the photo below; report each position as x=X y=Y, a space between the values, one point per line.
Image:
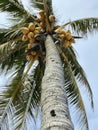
x=54 y=105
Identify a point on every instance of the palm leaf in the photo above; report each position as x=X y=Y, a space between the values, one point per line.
x=14 y=7
x=17 y=93
x=74 y=95
x=39 y=4
x=12 y=54
x=78 y=72
x=83 y=26
x=20 y=98
x=16 y=11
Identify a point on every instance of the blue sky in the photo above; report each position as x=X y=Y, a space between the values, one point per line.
x=66 y=10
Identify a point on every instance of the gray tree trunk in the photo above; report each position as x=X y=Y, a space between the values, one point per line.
x=55 y=112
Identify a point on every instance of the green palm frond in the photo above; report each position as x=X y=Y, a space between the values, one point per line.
x=83 y=26
x=23 y=112
x=17 y=94
x=9 y=35
x=74 y=96
x=12 y=49
x=16 y=11
x=78 y=72
x=39 y=4
x=7 y=95
x=20 y=98
x=38 y=78
x=14 y=7
x=12 y=54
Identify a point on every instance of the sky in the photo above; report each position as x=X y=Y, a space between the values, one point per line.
x=86 y=48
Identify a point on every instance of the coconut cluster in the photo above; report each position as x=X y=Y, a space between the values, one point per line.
x=37 y=28
x=65 y=36
x=41 y=19
x=29 y=35
x=32 y=30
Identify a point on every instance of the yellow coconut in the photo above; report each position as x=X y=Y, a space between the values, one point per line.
x=72 y=40
x=62 y=31
x=68 y=36
x=59 y=30
x=42 y=24
x=29 y=57
x=33 y=53
x=24 y=38
x=31 y=27
x=42 y=18
x=29 y=46
x=62 y=36
x=31 y=41
x=67 y=43
x=38 y=20
x=41 y=12
x=36 y=32
x=30 y=35
x=25 y=30
x=68 y=31
x=51 y=18
x=38 y=28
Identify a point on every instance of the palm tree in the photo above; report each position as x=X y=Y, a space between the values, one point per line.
x=46 y=71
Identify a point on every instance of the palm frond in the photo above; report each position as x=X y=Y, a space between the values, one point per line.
x=39 y=4
x=12 y=54
x=83 y=26
x=23 y=112
x=74 y=95
x=37 y=92
x=7 y=94
x=14 y=7
x=20 y=99
x=7 y=35
x=78 y=72
x=17 y=93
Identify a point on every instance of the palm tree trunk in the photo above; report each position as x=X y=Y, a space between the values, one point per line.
x=55 y=112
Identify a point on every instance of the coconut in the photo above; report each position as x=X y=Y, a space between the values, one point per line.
x=51 y=18
x=38 y=20
x=29 y=46
x=36 y=32
x=62 y=36
x=41 y=12
x=24 y=38
x=42 y=24
x=68 y=36
x=72 y=40
x=67 y=43
x=31 y=27
x=31 y=41
x=29 y=57
x=38 y=28
x=30 y=35
x=25 y=30
x=67 y=32
x=33 y=53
